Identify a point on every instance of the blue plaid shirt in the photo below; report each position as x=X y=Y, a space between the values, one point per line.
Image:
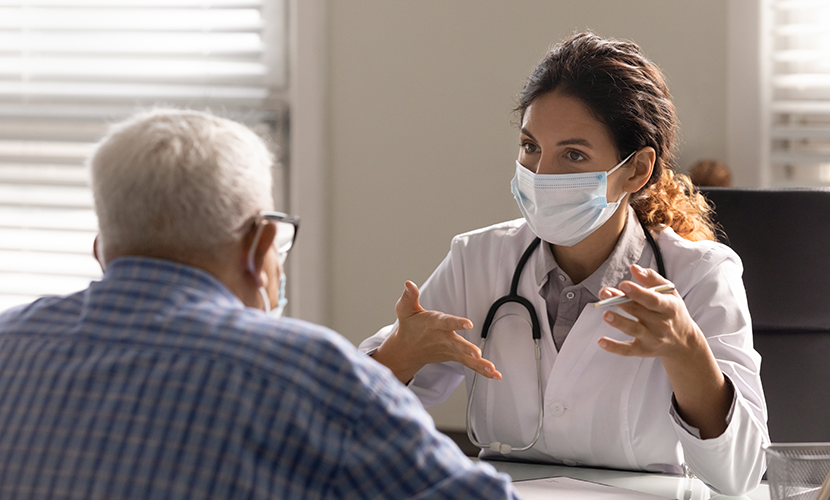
x=157 y=382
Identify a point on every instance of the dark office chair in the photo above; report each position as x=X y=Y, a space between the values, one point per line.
x=783 y=239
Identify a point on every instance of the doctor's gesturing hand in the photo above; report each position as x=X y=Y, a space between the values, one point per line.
x=663 y=328
x=422 y=337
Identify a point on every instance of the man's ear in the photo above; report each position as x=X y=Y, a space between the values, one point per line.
x=643 y=162
x=256 y=254
x=98 y=256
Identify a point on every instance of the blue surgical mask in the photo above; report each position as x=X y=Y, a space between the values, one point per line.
x=282 y=301
x=263 y=293
x=564 y=209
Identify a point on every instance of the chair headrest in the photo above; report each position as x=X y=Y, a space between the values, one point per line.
x=783 y=239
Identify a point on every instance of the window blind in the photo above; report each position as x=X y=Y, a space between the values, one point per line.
x=799 y=92
x=68 y=68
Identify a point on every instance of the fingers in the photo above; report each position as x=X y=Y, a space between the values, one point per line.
x=620 y=348
x=640 y=294
x=449 y=322
x=408 y=304
x=482 y=366
x=630 y=327
x=607 y=293
x=647 y=277
x=644 y=278
x=654 y=333
x=646 y=324
x=469 y=355
x=435 y=331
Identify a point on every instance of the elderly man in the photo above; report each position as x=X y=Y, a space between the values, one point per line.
x=167 y=379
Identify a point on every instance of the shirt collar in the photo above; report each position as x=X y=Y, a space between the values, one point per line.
x=166 y=275
x=614 y=270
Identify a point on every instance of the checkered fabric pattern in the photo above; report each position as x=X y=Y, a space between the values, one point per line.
x=158 y=383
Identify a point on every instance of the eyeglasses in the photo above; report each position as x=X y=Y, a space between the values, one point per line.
x=287 y=227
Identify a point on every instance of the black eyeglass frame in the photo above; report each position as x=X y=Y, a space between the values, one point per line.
x=280 y=217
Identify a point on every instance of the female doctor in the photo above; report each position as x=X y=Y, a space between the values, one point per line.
x=663 y=381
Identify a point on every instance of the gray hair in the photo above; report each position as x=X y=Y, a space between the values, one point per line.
x=177 y=181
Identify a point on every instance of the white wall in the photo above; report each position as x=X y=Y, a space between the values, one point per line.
x=420 y=136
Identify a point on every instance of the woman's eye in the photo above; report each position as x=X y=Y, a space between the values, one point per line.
x=530 y=148
x=574 y=156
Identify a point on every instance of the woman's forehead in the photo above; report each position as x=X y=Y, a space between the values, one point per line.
x=563 y=120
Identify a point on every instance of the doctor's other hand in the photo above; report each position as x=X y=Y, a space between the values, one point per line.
x=663 y=326
x=421 y=337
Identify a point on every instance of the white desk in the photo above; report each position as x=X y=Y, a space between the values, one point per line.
x=657 y=484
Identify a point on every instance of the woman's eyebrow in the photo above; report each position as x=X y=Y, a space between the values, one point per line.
x=577 y=142
x=527 y=133
x=566 y=142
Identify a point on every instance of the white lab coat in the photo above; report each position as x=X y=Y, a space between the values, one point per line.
x=600 y=409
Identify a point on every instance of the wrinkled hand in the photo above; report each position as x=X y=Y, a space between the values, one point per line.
x=424 y=337
x=663 y=326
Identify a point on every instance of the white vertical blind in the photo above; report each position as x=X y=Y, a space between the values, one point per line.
x=70 y=67
x=799 y=79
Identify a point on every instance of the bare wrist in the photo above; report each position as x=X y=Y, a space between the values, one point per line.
x=390 y=357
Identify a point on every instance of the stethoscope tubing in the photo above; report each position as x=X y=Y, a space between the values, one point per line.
x=496 y=446
x=514 y=297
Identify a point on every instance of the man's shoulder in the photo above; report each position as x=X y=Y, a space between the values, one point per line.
x=256 y=337
x=305 y=352
x=237 y=337
x=40 y=314
x=298 y=357
x=287 y=337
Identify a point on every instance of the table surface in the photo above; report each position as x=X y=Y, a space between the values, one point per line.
x=663 y=485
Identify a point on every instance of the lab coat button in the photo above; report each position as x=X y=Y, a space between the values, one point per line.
x=570 y=295
x=557 y=409
x=561 y=278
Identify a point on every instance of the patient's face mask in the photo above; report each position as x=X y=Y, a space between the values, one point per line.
x=282 y=301
x=564 y=209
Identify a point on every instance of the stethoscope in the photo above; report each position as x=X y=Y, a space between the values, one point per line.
x=514 y=297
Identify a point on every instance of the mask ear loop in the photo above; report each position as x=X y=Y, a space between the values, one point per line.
x=616 y=167
x=266 y=302
x=620 y=164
